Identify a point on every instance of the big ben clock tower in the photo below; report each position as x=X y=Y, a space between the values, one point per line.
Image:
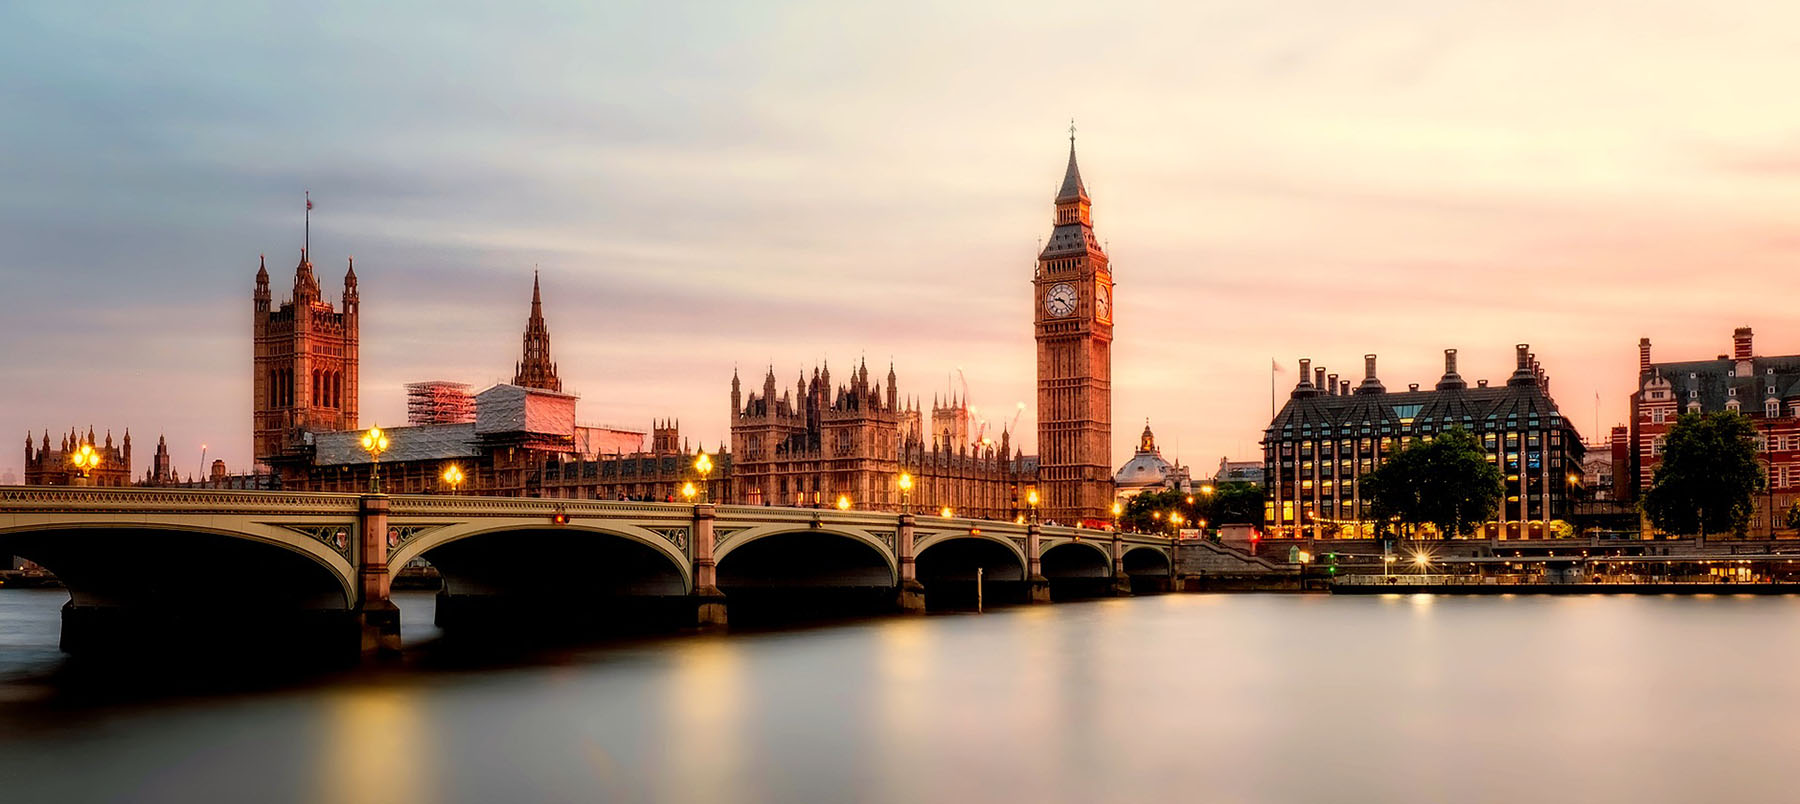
x=1073 y=298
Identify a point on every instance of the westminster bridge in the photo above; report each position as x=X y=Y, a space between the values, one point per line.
x=159 y=567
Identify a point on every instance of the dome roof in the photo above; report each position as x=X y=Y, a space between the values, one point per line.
x=1144 y=469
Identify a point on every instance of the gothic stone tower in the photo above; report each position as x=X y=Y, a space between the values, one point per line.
x=305 y=362
x=1074 y=361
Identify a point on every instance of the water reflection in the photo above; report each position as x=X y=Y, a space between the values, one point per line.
x=378 y=747
x=1216 y=698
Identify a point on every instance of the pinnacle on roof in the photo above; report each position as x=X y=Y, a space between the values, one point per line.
x=1072 y=189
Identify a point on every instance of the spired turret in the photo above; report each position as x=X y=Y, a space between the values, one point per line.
x=535 y=369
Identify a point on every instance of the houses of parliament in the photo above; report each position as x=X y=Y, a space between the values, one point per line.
x=812 y=443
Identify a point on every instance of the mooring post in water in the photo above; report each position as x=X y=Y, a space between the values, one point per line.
x=376 y=615
x=978 y=579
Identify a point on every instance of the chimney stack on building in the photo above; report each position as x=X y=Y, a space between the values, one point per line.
x=1643 y=356
x=1522 y=372
x=1451 y=379
x=1740 y=344
x=1331 y=385
x=1319 y=378
x=1370 y=385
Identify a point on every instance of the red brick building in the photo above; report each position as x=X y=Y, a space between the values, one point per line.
x=1766 y=389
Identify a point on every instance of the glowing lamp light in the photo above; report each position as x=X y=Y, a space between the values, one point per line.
x=843 y=502
x=1206 y=489
x=453 y=476
x=946 y=512
x=1031 y=497
x=905 y=481
x=1118 y=508
x=703 y=464
x=688 y=491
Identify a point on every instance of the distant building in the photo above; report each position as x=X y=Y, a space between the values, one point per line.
x=51 y=467
x=1766 y=389
x=7 y=478
x=1147 y=471
x=1231 y=471
x=810 y=446
x=1597 y=470
x=1327 y=437
x=515 y=439
x=305 y=359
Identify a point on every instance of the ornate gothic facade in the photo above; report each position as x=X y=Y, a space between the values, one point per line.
x=816 y=444
x=305 y=364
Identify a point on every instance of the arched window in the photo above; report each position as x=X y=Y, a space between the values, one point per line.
x=316 y=396
x=337 y=389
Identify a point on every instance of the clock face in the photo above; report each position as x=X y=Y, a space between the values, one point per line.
x=1103 y=302
x=1060 y=301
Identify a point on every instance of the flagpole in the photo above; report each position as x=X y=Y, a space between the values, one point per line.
x=1271 y=389
x=306 y=240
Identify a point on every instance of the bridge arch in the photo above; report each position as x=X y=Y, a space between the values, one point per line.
x=739 y=540
x=439 y=537
x=926 y=541
x=1077 y=559
x=1146 y=560
x=50 y=545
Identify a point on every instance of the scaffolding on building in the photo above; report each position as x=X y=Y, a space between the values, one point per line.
x=439 y=402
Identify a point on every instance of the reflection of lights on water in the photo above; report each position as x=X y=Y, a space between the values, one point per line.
x=378 y=748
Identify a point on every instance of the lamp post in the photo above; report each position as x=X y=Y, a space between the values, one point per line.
x=688 y=491
x=85 y=460
x=375 y=442
x=946 y=512
x=1031 y=499
x=453 y=477
x=1118 y=509
x=906 y=484
x=1175 y=524
x=704 y=465
x=843 y=502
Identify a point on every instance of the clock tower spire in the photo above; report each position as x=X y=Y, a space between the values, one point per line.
x=1074 y=322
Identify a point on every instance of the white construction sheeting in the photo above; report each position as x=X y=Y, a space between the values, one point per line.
x=514 y=409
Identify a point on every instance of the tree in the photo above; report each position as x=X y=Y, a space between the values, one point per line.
x=1793 y=515
x=1446 y=482
x=1230 y=503
x=1708 y=477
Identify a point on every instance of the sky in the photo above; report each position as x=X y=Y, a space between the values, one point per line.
x=710 y=187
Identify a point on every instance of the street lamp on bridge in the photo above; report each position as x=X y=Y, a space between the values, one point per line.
x=688 y=491
x=453 y=477
x=906 y=483
x=85 y=460
x=843 y=502
x=1031 y=499
x=704 y=465
x=375 y=442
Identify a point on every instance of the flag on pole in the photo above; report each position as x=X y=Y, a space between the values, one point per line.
x=1274 y=366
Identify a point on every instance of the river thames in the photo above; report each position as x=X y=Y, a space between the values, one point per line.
x=1222 y=698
